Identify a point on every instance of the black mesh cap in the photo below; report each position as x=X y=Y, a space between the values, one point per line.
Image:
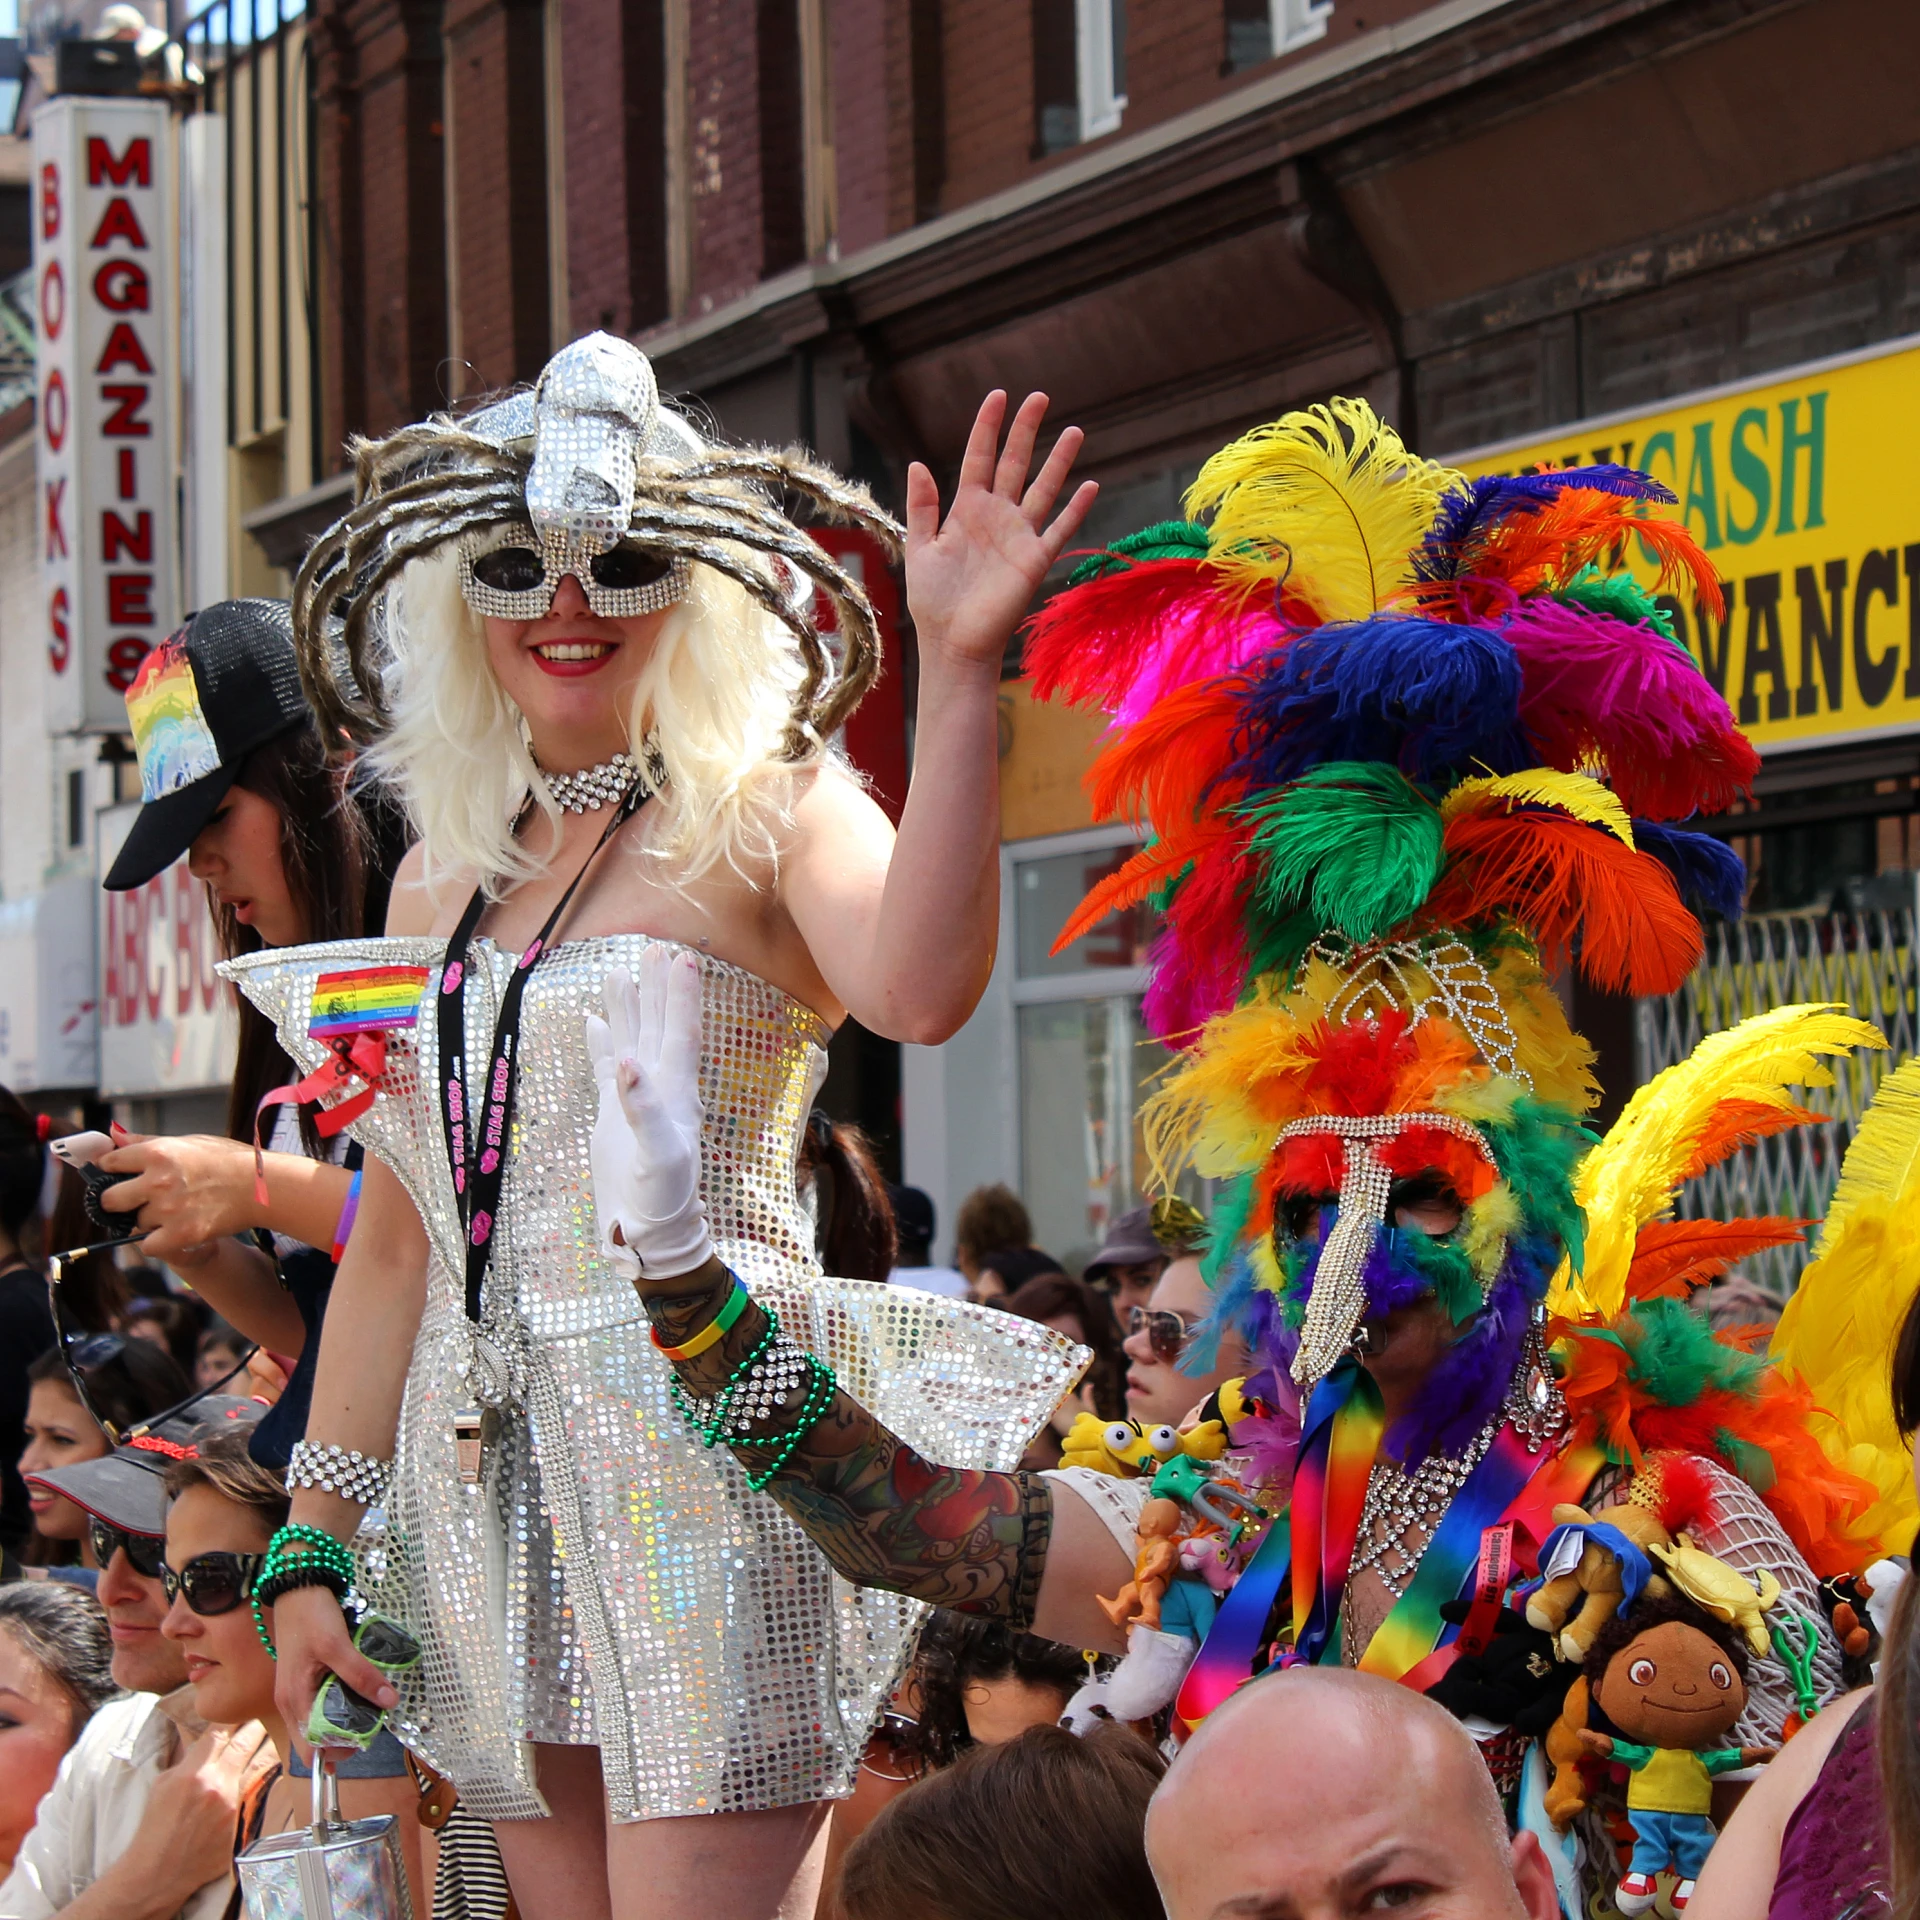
x=202 y=700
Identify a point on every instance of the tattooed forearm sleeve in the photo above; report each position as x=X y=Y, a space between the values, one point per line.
x=882 y=1513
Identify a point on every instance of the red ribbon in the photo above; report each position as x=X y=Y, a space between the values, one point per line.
x=363 y=1058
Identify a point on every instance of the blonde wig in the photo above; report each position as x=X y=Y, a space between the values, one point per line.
x=712 y=709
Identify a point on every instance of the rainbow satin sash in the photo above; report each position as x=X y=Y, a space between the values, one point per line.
x=1311 y=1547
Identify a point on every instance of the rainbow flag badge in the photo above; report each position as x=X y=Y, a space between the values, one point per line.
x=365 y=1000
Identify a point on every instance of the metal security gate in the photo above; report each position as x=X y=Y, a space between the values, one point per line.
x=1866 y=960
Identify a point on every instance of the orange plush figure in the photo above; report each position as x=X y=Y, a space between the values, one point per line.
x=1156 y=1561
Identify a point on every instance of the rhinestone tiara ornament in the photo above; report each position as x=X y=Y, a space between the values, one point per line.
x=1456 y=980
x=1337 y=1303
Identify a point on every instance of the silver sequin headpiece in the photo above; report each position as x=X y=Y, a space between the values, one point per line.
x=1337 y=1301
x=591 y=461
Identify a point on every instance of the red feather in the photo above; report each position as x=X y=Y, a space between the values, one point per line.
x=1559 y=877
x=1672 y=1257
x=1686 y=1493
x=1126 y=640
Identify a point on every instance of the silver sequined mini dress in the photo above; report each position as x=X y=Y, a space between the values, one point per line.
x=611 y=1582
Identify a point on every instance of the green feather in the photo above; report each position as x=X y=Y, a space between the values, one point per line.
x=1536 y=1155
x=1622 y=596
x=1448 y=1271
x=1164 y=540
x=1675 y=1357
x=1231 y=1211
x=1354 y=840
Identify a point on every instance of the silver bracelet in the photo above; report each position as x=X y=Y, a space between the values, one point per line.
x=345 y=1471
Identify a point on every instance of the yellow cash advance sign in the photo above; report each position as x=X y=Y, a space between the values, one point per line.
x=1800 y=492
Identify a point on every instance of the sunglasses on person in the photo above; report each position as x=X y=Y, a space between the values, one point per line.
x=83 y=1351
x=515 y=576
x=146 y=1552
x=1166 y=1331
x=214 y=1583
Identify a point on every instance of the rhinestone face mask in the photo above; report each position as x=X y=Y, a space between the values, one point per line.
x=512 y=573
x=1338 y=1301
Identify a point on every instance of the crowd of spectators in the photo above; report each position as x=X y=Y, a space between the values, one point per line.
x=140 y=1747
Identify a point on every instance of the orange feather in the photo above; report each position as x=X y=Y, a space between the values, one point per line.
x=1738 y=1123
x=1559 y=877
x=1672 y=1257
x=1534 y=550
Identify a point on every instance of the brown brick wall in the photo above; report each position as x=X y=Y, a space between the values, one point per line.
x=723 y=116
x=496 y=85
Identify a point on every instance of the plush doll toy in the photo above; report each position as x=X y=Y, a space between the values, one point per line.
x=1672 y=1679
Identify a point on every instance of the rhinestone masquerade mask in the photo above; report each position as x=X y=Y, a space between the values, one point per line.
x=1337 y=1303
x=511 y=573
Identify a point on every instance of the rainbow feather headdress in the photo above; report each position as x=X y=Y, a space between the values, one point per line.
x=1404 y=751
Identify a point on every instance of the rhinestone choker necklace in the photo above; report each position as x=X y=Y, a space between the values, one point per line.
x=592 y=787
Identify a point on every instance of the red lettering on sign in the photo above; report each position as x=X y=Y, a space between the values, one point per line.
x=53 y=301
x=124 y=422
x=121 y=287
x=53 y=411
x=186 y=938
x=127 y=489
x=123 y=661
x=123 y=349
x=56 y=531
x=50 y=201
x=59 y=639
x=119 y=222
x=130 y=599
x=153 y=974
x=117 y=538
x=135 y=166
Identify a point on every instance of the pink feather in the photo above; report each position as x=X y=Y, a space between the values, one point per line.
x=1127 y=639
x=1593 y=686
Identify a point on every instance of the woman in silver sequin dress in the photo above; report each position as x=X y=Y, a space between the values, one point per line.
x=618 y=1631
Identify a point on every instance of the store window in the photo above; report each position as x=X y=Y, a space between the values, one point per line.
x=1086 y=1060
x=1260 y=30
x=1079 y=71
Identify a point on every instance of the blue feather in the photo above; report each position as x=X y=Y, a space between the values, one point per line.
x=1707 y=871
x=1430 y=697
x=1491 y=499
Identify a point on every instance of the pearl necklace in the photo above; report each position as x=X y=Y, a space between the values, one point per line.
x=592 y=788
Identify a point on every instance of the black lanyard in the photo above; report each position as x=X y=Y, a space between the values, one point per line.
x=479 y=1160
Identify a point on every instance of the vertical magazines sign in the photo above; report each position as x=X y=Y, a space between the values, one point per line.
x=105 y=454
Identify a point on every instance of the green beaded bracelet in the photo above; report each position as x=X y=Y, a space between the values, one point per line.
x=821 y=1388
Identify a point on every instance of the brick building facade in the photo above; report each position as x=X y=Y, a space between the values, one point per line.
x=840 y=221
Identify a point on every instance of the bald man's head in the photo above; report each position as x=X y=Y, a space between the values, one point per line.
x=1317 y=1794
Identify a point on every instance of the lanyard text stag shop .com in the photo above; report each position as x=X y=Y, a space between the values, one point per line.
x=478 y=1154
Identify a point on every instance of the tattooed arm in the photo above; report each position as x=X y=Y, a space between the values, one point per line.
x=1011 y=1546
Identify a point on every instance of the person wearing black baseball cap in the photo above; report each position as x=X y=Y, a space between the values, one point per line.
x=235 y=775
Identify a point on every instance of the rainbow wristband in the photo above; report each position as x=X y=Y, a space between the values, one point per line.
x=714 y=1331
x=350 y=1207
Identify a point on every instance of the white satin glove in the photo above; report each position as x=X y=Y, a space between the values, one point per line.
x=645 y=1154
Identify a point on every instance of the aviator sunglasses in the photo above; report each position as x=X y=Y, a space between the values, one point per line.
x=146 y=1552
x=1166 y=1331
x=214 y=1583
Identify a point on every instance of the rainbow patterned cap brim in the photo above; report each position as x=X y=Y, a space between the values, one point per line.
x=171 y=737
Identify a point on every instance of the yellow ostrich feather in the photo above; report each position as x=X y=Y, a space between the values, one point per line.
x=1334 y=482
x=1630 y=1177
x=1576 y=793
x=1838 y=1330
x=1558 y=1061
